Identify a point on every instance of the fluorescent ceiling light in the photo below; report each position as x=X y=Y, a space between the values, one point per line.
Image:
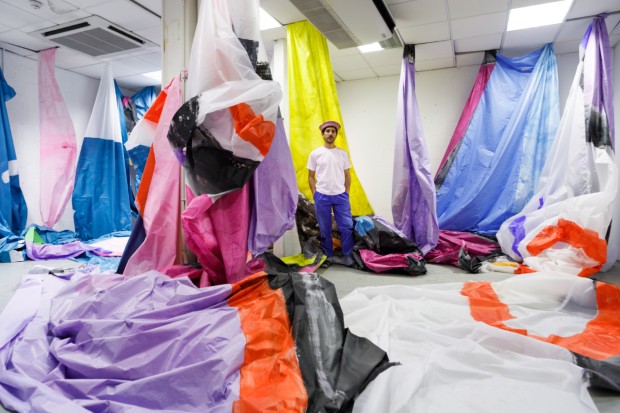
x=153 y=75
x=539 y=15
x=372 y=47
x=266 y=21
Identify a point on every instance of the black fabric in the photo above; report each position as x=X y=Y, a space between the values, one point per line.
x=137 y=237
x=325 y=349
x=601 y=373
x=472 y=264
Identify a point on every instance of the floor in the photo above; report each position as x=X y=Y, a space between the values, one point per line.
x=345 y=280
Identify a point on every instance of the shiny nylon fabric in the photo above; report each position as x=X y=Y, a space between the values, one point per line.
x=273 y=195
x=13 y=210
x=502 y=154
x=484 y=73
x=161 y=212
x=101 y=194
x=565 y=224
x=222 y=134
x=58 y=146
x=413 y=189
x=450 y=337
x=313 y=99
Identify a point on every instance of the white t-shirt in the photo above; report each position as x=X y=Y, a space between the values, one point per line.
x=329 y=166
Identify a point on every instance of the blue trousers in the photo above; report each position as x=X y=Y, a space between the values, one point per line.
x=323 y=205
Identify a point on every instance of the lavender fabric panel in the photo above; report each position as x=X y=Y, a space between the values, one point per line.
x=274 y=195
x=597 y=85
x=68 y=250
x=116 y=344
x=413 y=190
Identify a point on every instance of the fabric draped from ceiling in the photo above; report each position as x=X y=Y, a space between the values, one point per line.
x=13 y=210
x=273 y=195
x=494 y=167
x=101 y=194
x=564 y=225
x=222 y=134
x=413 y=190
x=58 y=145
x=313 y=99
x=159 y=201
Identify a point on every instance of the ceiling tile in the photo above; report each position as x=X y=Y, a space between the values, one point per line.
x=4 y=28
x=25 y=40
x=433 y=51
x=69 y=59
x=353 y=62
x=154 y=6
x=388 y=70
x=17 y=18
x=63 y=12
x=469 y=59
x=478 y=44
x=426 y=33
x=524 y=3
x=282 y=10
x=153 y=34
x=150 y=57
x=433 y=64
x=418 y=12
x=132 y=65
x=466 y=8
x=273 y=34
x=573 y=30
x=125 y=14
x=387 y=57
x=614 y=39
x=86 y=3
x=94 y=71
x=479 y=25
x=536 y=36
x=356 y=74
x=335 y=52
x=15 y=49
x=592 y=8
x=566 y=46
x=136 y=82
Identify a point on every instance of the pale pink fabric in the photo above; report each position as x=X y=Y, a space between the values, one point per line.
x=161 y=212
x=58 y=146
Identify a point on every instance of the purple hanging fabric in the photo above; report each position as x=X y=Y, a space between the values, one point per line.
x=273 y=195
x=484 y=73
x=58 y=147
x=413 y=190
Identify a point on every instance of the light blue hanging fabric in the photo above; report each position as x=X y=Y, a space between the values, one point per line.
x=12 y=203
x=505 y=146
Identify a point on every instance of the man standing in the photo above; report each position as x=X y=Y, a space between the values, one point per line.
x=330 y=180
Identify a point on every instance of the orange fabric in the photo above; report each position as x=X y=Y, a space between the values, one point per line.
x=271 y=379
x=523 y=269
x=252 y=128
x=145 y=182
x=572 y=234
x=154 y=112
x=485 y=306
x=599 y=340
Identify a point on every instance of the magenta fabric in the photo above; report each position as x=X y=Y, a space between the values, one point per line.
x=381 y=263
x=58 y=146
x=484 y=73
x=450 y=243
x=161 y=212
x=218 y=234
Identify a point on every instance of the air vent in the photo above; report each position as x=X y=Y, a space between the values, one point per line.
x=351 y=23
x=93 y=36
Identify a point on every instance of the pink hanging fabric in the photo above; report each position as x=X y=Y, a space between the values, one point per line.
x=218 y=234
x=58 y=147
x=161 y=211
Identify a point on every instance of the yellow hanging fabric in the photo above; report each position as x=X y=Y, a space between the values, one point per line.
x=313 y=99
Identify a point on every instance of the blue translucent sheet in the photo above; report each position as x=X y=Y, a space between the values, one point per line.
x=505 y=146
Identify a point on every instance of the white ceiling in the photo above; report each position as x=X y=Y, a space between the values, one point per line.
x=447 y=33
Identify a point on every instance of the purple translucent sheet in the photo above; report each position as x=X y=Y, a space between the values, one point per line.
x=413 y=190
x=273 y=195
x=63 y=251
x=115 y=344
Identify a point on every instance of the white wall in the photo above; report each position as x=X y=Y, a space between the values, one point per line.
x=79 y=94
x=369 y=113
